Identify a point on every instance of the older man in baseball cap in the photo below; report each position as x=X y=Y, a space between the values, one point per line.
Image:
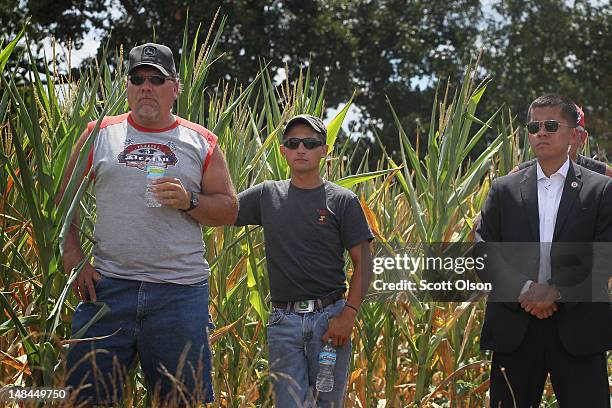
x=145 y=298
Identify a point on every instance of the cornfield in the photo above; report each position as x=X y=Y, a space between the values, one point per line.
x=405 y=353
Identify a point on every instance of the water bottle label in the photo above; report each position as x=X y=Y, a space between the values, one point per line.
x=155 y=172
x=327 y=358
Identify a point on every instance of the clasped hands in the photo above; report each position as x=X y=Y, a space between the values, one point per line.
x=539 y=300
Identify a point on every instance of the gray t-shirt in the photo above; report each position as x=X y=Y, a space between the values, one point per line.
x=306 y=233
x=133 y=241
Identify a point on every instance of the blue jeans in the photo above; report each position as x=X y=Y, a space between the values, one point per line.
x=294 y=343
x=165 y=326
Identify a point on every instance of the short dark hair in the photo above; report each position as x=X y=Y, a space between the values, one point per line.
x=569 y=110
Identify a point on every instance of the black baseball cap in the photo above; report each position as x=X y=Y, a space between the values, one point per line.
x=153 y=55
x=315 y=123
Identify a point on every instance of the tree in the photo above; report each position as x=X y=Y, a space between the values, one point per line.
x=540 y=46
x=378 y=48
x=64 y=20
x=386 y=49
x=279 y=32
x=403 y=49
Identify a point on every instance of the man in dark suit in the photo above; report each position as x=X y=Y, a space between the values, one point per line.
x=533 y=321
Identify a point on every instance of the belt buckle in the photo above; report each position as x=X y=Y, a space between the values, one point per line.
x=304 y=306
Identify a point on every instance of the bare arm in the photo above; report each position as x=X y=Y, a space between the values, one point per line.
x=218 y=201
x=73 y=253
x=362 y=274
x=218 y=204
x=341 y=326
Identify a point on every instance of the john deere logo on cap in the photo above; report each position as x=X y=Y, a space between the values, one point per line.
x=150 y=52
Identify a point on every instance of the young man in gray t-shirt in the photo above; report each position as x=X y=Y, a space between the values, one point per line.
x=308 y=223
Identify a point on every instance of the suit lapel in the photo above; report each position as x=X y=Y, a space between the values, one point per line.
x=571 y=190
x=529 y=194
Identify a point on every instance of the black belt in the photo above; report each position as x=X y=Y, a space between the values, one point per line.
x=318 y=303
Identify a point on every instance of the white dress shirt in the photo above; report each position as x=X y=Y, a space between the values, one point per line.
x=550 y=190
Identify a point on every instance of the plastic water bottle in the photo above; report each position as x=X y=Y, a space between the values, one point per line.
x=327 y=363
x=155 y=169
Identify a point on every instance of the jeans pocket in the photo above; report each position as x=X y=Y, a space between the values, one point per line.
x=98 y=282
x=99 y=286
x=334 y=309
x=276 y=316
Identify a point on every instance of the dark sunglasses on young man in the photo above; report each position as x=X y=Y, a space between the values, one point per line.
x=551 y=126
x=309 y=143
x=155 y=79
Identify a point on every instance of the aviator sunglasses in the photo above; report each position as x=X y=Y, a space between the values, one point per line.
x=309 y=143
x=155 y=79
x=550 y=126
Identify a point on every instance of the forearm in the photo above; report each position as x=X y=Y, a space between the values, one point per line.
x=215 y=209
x=73 y=253
x=360 y=281
x=356 y=294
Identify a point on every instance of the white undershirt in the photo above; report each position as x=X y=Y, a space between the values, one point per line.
x=550 y=190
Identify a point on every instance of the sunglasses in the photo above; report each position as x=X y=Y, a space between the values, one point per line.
x=550 y=126
x=156 y=80
x=309 y=143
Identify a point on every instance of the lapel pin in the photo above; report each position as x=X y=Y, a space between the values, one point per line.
x=574 y=184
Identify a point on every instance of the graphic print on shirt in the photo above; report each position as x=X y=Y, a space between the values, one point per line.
x=322 y=216
x=138 y=154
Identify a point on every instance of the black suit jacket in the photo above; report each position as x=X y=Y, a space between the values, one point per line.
x=510 y=215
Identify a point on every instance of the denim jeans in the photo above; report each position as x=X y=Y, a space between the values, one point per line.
x=294 y=343
x=163 y=325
